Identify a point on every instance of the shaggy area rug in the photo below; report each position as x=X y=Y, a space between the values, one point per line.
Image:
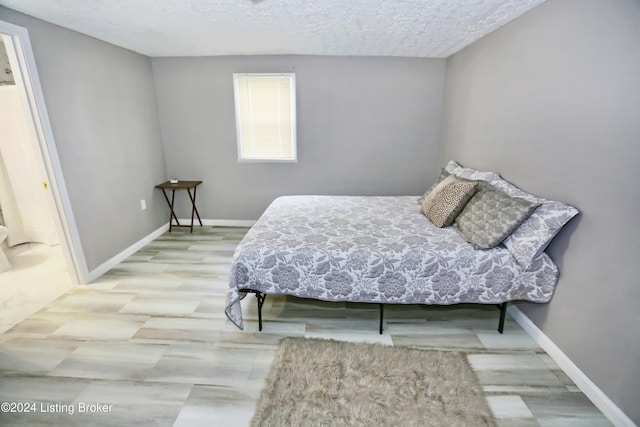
x=316 y=382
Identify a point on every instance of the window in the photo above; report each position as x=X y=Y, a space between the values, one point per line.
x=265 y=116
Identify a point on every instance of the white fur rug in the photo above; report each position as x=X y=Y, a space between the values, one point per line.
x=316 y=382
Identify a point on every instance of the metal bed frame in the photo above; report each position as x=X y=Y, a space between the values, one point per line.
x=260 y=297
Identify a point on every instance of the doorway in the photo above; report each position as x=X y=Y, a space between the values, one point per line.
x=49 y=213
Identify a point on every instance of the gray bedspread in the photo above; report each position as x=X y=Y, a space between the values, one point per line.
x=374 y=249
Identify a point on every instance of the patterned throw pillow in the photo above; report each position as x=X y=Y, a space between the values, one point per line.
x=531 y=238
x=447 y=203
x=491 y=216
x=450 y=179
x=441 y=177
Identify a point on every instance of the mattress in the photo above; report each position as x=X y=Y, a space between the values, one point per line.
x=375 y=250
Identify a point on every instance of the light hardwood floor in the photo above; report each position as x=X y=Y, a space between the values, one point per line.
x=38 y=275
x=148 y=344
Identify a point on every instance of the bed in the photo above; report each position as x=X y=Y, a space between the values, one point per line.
x=375 y=250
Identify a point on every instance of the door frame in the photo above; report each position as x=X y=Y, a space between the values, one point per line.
x=32 y=95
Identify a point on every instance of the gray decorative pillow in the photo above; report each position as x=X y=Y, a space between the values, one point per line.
x=441 y=177
x=448 y=202
x=531 y=238
x=491 y=216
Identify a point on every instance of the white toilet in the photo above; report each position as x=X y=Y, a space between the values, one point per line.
x=4 y=262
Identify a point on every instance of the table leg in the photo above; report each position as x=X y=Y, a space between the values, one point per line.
x=172 y=214
x=194 y=210
x=193 y=205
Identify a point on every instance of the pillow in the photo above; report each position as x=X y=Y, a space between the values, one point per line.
x=446 y=204
x=450 y=179
x=441 y=177
x=531 y=238
x=471 y=174
x=491 y=216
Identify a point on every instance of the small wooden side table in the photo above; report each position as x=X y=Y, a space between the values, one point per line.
x=180 y=185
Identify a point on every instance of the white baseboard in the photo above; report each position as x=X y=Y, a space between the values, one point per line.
x=592 y=391
x=220 y=222
x=117 y=259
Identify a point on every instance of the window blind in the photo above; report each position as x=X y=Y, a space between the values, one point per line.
x=265 y=116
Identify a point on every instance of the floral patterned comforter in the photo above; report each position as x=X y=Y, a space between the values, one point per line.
x=374 y=249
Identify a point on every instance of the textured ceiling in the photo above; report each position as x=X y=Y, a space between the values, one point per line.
x=418 y=28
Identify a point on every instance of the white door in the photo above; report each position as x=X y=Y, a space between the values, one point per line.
x=25 y=206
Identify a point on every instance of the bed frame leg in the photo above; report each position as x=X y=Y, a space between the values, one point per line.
x=260 y=297
x=381 y=316
x=503 y=314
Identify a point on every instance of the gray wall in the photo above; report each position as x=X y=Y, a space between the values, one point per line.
x=101 y=103
x=366 y=126
x=552 y=101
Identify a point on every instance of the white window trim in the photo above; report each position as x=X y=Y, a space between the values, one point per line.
x=294 y=142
